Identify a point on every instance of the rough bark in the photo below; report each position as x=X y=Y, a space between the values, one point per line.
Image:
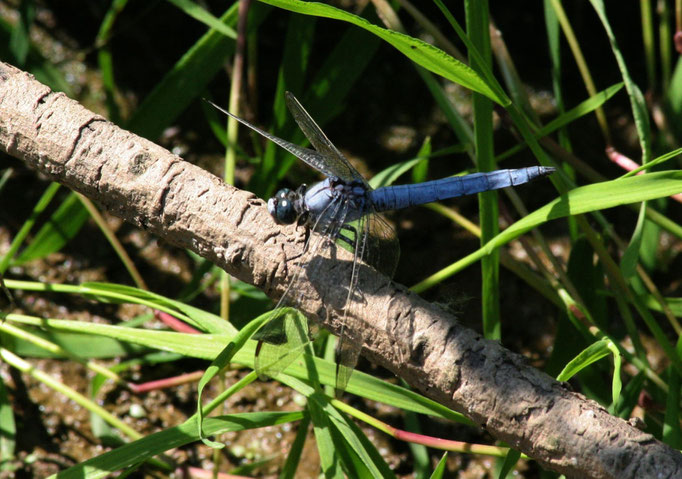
x=187 y=206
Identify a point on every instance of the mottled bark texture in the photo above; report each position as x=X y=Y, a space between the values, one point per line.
x=189 y=207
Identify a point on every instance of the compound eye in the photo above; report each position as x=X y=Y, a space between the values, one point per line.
x=281 y=206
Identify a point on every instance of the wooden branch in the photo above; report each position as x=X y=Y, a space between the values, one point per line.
x=189 y=207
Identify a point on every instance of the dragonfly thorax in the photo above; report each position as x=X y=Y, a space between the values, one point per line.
x=336 y=200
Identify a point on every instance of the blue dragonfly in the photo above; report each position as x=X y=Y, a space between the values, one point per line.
x=344 y=210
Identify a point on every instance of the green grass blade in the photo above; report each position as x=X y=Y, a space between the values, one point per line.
x=585 y=199
x=359 y=445
x=672 y=435
x=157 y=443
x=25 y=229
x=420 y=52
x=188 y=78
x=324 y=99
x=510 y=460
x=594 y=352
x=195 y=11
x=439 y=471
x=222 y=361
x=588 y=106
x=388 y=175
x=9 y=430
x=298 y=44
x=62 y=226
x=20 y=40
x=478 y=22
x=329 y=459
x=121 y=293
x=208 y=346
x=639 y=109
x=294 y=455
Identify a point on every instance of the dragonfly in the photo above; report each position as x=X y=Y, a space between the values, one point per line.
x=344 y=210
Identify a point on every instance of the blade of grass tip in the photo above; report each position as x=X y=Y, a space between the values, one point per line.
x=616 y=384
x=40 y=206
x=510 y=460
x=479 y=63
x=198 y=13
x=5 y=177
x=566 y=117
x=219 y=363
x=477 y=21
x=458 y=124
x=439 y=471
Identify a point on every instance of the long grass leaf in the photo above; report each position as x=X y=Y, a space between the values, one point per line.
x=157 y=443
x=187 y=79
x=62 y=226
x=420 y=52
x=208 y=346
x=195 y=11
x=585 y=199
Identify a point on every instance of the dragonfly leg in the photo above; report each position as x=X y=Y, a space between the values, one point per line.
x=350 y=242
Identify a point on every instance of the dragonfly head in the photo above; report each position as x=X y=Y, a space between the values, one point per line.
x=282 y=206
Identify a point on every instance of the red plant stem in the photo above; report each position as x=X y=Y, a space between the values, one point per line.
x=174 y=323
x=166 y=383
x=628 y=165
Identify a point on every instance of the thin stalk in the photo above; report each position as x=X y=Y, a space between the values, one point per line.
x=582 y=65
x=645 y=9
x=232 y=132
x=57 y=350
x=27 y=368
x=113 y=241
x=430 y=441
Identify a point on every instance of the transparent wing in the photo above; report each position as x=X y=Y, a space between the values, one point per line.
x=284 y=337
x=311 y=157
x=383 y=248
x=374 y=241
x=280 y=341
x=334 y=160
